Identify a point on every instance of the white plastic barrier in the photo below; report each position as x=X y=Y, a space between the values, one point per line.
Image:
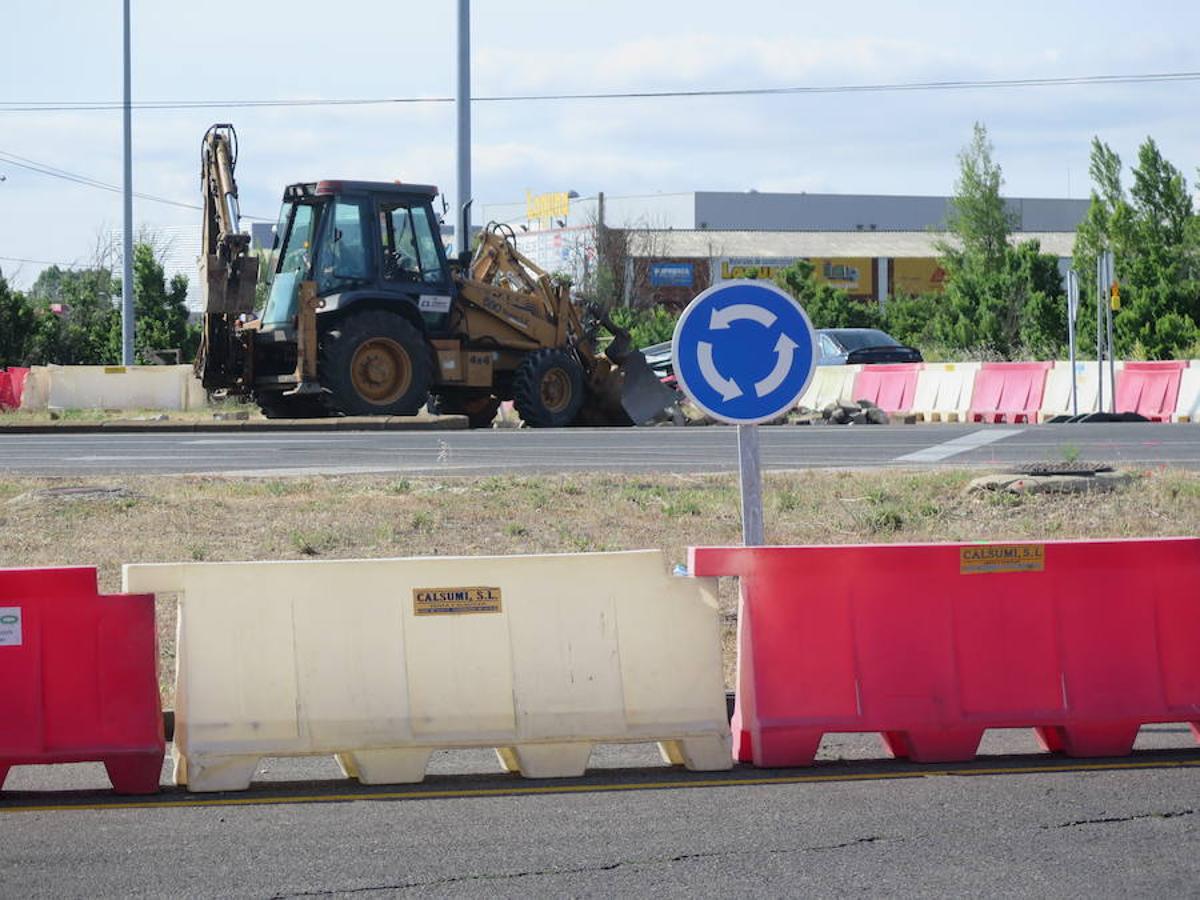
x=944 y=391
x=379 y=662
x=119 y=387
x=1056 y=397
x=1187 y=408
x=830 y=384
x=37 y=389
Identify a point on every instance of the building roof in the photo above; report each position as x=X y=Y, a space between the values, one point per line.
x=711 y=243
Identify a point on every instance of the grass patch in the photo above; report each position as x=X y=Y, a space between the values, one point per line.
x=205 y=519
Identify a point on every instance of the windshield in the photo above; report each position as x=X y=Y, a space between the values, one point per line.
x=293 y=262
x=860 y=339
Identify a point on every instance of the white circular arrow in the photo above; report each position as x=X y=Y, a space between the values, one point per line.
x=726 y=387
x=785 y=351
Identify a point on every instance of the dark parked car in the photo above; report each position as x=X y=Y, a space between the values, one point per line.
x=835 y=347
x=852 y=346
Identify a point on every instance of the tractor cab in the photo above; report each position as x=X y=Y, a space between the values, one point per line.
x=357 y=241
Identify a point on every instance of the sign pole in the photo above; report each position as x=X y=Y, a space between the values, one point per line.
x=1100 y=303
x=1072 y=312
x=1108 y=315
x=750 y=477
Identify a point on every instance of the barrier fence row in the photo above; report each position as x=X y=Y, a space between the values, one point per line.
x=379 y=662
x=1012 y=392
x=1017 y=392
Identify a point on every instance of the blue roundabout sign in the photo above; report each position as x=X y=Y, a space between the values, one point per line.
x=744 y=351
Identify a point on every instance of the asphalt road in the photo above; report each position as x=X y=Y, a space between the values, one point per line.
x=708 y=449
x=1006 y=825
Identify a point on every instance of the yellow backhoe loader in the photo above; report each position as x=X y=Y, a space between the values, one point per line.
x=366 y=316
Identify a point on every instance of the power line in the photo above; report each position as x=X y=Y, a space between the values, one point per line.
x=32 y=165
x=40 y=262
x=894 y=87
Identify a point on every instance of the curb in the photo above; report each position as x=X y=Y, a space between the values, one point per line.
x=346 y=423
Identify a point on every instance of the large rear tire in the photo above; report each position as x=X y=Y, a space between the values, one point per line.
x=376 y=364
x=548 y=388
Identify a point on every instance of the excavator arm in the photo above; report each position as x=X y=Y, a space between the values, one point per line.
x=228 y=273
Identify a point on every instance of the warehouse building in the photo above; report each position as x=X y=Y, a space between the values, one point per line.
x=672 y=246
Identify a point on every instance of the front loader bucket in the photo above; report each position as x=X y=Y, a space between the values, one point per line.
x=643 y=396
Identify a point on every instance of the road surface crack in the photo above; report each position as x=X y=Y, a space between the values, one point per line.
x=1117 y=820
x=581 y=870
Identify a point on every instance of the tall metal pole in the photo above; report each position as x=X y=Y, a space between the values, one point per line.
x=462 y=104
x=127 y=253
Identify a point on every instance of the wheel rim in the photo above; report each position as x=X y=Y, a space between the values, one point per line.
x=556 y=390
x=381 y=370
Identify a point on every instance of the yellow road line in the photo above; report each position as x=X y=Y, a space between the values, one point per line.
x=199 y=802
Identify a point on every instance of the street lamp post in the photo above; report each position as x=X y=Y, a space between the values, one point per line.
x=127 y=254
x=462 y=104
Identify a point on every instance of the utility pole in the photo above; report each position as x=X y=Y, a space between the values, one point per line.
x=462 y=105
x=127 y=254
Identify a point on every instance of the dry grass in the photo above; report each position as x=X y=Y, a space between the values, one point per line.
x=32 y=417
x=163 y=519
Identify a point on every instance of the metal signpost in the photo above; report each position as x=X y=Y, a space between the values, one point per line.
x=1072 y=312
x=1105 y=282
x=744 y=352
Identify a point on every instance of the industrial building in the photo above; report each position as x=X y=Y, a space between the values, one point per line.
x=675 y=245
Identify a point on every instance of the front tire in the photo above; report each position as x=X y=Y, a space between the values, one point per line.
x=376 y=364
x=548 y=388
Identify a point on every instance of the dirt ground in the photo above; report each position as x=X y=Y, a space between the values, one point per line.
x=166 y=519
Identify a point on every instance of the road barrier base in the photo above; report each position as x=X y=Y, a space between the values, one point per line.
x=209 y=772
x=129 y=773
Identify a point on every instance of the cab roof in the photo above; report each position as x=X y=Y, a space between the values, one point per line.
x=330 y=186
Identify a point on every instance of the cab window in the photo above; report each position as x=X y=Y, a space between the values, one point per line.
x=409 y=246
x=343 y=259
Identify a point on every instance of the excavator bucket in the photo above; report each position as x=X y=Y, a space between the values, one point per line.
x=632 y=383
x=643 y=396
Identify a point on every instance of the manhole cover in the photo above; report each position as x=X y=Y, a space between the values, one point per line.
x=1061 y=468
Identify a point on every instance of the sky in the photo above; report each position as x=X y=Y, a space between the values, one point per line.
x=57 y=51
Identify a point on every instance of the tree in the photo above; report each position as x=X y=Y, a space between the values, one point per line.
x=827 y=306
x=979 y=217
x=998 y=297
x=1155 y=240
x=160 y=309
x=16 y=326
x=78 y=314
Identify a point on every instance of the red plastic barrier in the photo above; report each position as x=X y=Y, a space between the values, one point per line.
x=7 y=396
x=1150 y=389
x=891 y=387
x=1008 y=392
x=16 y=378
x=930 y=645
x=79 y=677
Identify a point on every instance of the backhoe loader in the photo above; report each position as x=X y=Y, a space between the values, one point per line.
x=365 y=315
